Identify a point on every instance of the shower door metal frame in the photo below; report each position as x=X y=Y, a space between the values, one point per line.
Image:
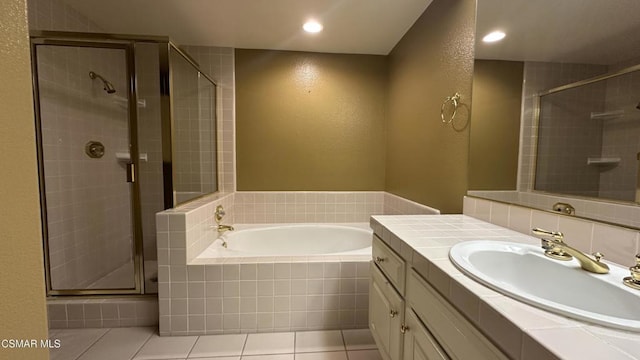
x=537 y=108
x=168 y=133
x=127 y=42
x=52 y=39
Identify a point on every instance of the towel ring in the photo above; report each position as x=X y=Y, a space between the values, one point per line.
x=454 y=100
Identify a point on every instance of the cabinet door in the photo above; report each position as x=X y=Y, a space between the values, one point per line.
x=455 y=334
x=418 y=342
x=386 y=312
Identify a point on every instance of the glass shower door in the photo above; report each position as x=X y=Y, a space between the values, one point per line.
x=86 y=167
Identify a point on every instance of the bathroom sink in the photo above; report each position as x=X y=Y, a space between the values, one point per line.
x=521 y=271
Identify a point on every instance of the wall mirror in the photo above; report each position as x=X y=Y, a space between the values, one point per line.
x=586 y=144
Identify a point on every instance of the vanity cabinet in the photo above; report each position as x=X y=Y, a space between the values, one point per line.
x=412 y=321
x=419 y=344
x=386 y=313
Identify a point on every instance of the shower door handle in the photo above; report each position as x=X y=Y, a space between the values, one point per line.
x=131 y=172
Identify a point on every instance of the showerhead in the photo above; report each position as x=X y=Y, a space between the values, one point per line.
x=108 y=87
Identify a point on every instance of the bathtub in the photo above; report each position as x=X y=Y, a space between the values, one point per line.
x=292 y=240
x=271 y=278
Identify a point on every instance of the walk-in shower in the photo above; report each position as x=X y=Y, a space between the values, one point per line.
x=125 y=129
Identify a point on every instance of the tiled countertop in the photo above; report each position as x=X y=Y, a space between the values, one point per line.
x=520 y=330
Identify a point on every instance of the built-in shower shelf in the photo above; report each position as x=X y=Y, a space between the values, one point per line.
x=125 y=156
x=603 y=161
x=607 y=115
x=124 y=102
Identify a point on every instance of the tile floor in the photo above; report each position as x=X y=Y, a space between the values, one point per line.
x=143 y=343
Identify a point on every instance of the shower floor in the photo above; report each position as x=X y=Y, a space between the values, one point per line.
x=122 y=277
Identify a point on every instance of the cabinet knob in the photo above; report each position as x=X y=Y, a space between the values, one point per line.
x=393 y=313
x=379 y=259
x=404 y=328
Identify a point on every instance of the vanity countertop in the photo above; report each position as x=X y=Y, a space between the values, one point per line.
x=520 y=330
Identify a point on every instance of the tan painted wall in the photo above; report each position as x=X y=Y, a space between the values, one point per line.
x=495 y=125
x=23 y=312
x=427 y=160
x=309 y=121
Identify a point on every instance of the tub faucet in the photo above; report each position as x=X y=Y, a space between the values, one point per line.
x=219 y=214
x=223 y=228
x=555 y=247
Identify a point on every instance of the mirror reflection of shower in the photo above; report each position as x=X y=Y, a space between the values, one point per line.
x=108 y=87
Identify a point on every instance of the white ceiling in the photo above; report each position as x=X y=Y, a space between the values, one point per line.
x=581 y=31
x=350 y=26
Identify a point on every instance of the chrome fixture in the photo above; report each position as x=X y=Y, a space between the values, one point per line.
x=224 y=228
x=221 y=229
x=94 y=149
x=555 y=247
x=219 y=214
x=108 y=87
x=633 y=281
x=564 y=208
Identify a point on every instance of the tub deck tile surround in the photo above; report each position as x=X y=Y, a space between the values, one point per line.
x=295 y=297
x=522 y=331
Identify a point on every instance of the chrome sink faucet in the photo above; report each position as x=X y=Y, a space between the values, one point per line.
x=219 y=214
x=555 y=247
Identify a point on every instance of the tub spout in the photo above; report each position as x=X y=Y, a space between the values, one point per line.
x=223 y=228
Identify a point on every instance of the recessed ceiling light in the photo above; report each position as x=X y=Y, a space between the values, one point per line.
x=312 y=26
x=494 y=36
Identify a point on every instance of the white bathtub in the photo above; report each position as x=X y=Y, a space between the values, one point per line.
x=292 y=240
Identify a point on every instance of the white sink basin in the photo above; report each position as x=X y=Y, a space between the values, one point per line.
x=522 y=272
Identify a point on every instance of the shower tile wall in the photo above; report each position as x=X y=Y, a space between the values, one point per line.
x=88 y=199
x=616 y=137
x=102 y=313
x=58 y=16
x=621 y=137
x=567 y=137
x=540 y=76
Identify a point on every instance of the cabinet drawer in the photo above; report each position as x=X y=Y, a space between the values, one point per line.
x=386 y=313
x=457 y=336
x=389 y=262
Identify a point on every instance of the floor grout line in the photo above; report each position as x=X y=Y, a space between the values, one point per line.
x=145 y=343
x=93 y=343
x=344 y=343
x=192 y=347
x=241 y=355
